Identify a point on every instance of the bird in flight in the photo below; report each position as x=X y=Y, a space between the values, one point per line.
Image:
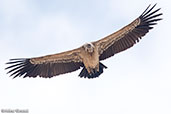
x=89 y=55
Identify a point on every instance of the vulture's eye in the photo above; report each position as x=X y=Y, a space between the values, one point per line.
x=89 y=45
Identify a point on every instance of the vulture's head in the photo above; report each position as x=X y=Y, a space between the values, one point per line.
x=89 y=47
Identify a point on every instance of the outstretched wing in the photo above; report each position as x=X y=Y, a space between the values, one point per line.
x=46 y=66
x=128 y=35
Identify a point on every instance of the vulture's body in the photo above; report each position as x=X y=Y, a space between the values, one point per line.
x=89 y=55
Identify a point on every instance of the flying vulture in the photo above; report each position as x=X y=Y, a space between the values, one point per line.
x=89 y=55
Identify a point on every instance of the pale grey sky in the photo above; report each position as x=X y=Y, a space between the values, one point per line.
x=137 y=81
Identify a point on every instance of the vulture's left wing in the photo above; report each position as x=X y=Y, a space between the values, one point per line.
x=128 y=35
x=46 y=66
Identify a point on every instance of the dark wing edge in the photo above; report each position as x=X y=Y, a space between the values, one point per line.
x=44 y=67
x=129 y=35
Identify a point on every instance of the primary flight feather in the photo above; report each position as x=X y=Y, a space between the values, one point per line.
x=89 y=55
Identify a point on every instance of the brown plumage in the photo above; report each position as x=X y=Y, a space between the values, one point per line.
x=89 y=55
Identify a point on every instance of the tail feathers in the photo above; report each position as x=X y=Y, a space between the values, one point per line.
x=102 y=66
x=84 y=73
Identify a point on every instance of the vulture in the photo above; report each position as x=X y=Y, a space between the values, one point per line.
x=89 y=55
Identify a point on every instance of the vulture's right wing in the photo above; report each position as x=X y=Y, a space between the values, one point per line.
x=46 y=66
